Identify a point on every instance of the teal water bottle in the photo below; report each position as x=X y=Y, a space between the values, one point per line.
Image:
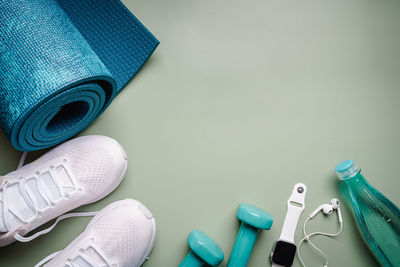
x=377 y=217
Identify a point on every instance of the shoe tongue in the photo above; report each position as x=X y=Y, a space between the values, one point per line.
x=94 y=255
x=17 y=205
x=51 y=187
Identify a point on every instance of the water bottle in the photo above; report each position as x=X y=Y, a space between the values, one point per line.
x=377 y=217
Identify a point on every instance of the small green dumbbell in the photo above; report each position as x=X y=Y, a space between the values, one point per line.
x=253 y=220
x=203 y=251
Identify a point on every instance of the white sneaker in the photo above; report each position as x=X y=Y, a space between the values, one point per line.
x=121 y=234
x=75 y=173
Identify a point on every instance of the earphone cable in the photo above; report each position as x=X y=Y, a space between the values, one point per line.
x=307 y=238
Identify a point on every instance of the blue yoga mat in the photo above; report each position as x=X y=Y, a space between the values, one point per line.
x=61 y=64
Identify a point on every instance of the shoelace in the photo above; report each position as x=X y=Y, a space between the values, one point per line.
x=24 y=194
x=83 y=255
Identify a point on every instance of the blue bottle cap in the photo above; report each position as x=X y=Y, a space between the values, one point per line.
x=346 y=169
x=205 y=248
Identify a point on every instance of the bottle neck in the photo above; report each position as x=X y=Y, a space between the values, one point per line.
x=357 y=178
x=350 y=187
x=350 y=173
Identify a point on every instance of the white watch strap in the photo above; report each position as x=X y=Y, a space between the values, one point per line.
x=295 y=206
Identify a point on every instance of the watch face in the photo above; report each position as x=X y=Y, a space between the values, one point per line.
x=284 y=253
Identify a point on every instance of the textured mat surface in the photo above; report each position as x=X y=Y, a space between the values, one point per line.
x=61 y=64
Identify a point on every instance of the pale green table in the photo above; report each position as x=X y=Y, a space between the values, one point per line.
x=241 y=100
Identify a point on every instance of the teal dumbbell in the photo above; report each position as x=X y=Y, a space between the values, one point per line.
x=203 y=251
x=253 y=220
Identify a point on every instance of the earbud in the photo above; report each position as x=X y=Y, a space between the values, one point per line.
x=328 y=208
x=334 y=204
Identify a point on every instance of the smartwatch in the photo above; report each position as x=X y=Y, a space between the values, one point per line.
x=284 y=249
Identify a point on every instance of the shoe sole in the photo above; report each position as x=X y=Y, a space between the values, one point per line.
x=153 y=239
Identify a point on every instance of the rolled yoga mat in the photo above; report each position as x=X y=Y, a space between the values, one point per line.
x=61 y=64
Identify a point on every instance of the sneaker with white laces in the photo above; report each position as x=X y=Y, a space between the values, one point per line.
x=122 y=234
x=77 y=172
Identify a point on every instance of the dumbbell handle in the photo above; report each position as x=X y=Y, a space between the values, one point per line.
x=243 y=247
x=192 y=260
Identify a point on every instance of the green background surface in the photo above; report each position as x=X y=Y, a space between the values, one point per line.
x=241 y=100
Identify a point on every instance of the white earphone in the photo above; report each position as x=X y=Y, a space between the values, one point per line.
x=326 y=209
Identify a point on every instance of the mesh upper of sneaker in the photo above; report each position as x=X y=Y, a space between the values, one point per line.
x=94 y=164
x=125 y=234
x=120 y=231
